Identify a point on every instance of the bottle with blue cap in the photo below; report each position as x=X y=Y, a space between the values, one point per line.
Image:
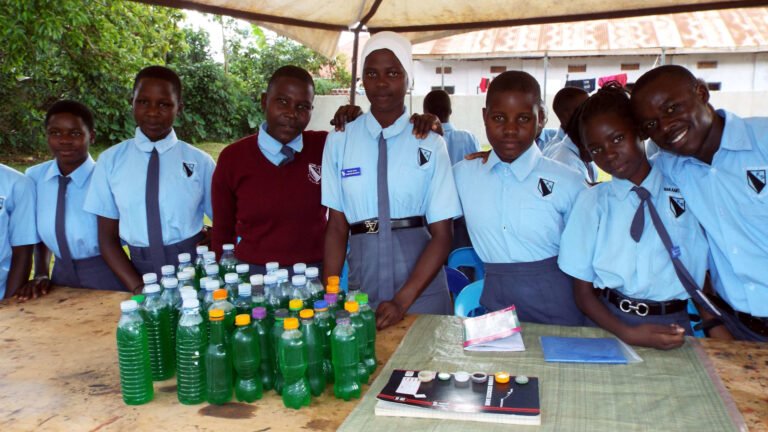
x=191 y=345
x=314 y=287
x=133 y=356
x=162 y=354
x=228 y=262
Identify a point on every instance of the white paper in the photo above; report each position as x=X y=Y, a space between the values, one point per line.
x=507 y=344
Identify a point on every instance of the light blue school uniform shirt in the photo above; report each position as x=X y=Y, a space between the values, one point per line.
x=118 y=186
x=596 y=246
x=459 y=142
x=81 y=227
x=548 y=137
x=730 y=199
x=419 y=174
x=515 y=212
x=17 y=217
x=270 y=147
x=566 y=152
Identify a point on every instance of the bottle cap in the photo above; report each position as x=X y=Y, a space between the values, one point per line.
x=270 y=279
x=138 y=298
x=152 y=289
x=184 y=257
x=479 y=377
x=167 y=270
x=331 y=298
x=231 y=278
x=257 y=279
x=209 y=256
x=211 y=285
x=321 y=305
x=185 y=275
x=311 y=272
x=443 y=376
x=191 y=303
x=362 y=298
x=521 y=379
x=242 y=268
x=149 y=278
x=299 y=280
x=201 y=250
x=170 y=282
x=426 y=375
x=342 y=315
x=204 y=280
x=188 y=294
x=334 y=280
x=220 y=294
x=461 y=377
x=351 y=307
x=242 y=320
x=281 y=313
x=295 y=304
x=299 y=268
x=129 y=306
x=228 y=247
x=502 y=377
x=272 y=266
x=215 y=315
x=332 y=289
x=306 y=313
x=291 y=323
x=244 y=290
x=282 y=274
x=212 y=269
x=259 y=312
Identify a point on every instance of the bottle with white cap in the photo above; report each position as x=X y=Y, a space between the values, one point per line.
x=314 y=287
x=209 y=257
x=272 y=294
x=228 y=262
x=258 y=297
x=298 y=288
x=167 y=271
x=200 y=266
x=231 y=281
x=148 y=279
x=186 y=277
x=133 y=356
x=243 y=272
x=212 y=272
x=172 y=296
x=284 y=285
x=243 y=300
x=191 y=344
x=158 y=323
x=211 y=285
x=272 y=267
x=185 y=261
x=299 y=268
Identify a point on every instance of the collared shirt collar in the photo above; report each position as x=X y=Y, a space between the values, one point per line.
x=374 y=128
x=735 y=137
x=448 y=127
x=522 y=166
x=79 y=176
x=622 y=188
x=146 y=145
x=273 y=146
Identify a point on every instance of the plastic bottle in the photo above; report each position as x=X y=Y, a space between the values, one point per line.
x=228 y=262
x=277 y=332
x=314 y=287
x=191 y=345
x=299 y=288
x=243 y=300
x=148 y=279
x=139 y=299
x=133 y=356
x=187 y=293
x=212 y=273
x=167 y=271
x=162 y=354
x=369 y=322
x=353 y=289
x=243 y=272
x=294 y=307
x=293 y=364
x=220 y=302
x=200 y=266
x=186 y=277
x=210 y=287
x=299 y=269
x=258 y=297
x=333 y=307
x=323 y=323
x=273 y=299
x=346 y=357
x=172 y=298
x=262 y=332
x=284 y=285
x=272 y=267
x=313 y=340
x=246 y=360
x=362 y=339
x=218 y=362
x=185 y=262
x=201 y=294
x=231 y=281
x=334 y=289
x=209 y=257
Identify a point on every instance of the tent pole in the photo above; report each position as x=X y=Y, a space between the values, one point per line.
x=546 y=68
x=353 y=84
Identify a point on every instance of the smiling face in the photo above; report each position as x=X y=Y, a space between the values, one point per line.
x=288 y=108
x=68 y=139
x=385 y=83
x=613 y=143
x=512 y=120
x=155 y=106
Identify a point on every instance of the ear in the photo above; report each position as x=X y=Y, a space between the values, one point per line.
x=702 y=91
x=264 y=102
x=542 y=117
x=92 y=133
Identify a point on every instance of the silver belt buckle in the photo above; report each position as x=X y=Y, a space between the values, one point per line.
x=372 y=226
x=640 y=308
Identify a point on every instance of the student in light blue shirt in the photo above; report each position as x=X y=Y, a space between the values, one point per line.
x=18 y=233
x=156 y=226
x=69 y=130
x=567 y=153
x=549 y=136
x=516 y=206
x=459 y=142
x=641 y=299
x=402 y=272
x=720 y=162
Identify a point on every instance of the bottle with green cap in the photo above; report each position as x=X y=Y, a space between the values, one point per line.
x=294 y=307
x=323 y=323
x=162 y=354
x=218 y=363
x=277 y=332
x=293 y=365
x=346 y=357
x=369 y=321
x=133 y=356
x=314 y=343
x=191 y=345
x=362 y=339
x=245 y=360
x=262 y=332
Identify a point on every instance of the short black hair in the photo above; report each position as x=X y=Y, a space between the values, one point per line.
x=291 y=71
x=71 y=107
x=565 y=95
x=438 y=102
x=161 y=73
x=514 y=81
x=666 y=71
x=609 y=99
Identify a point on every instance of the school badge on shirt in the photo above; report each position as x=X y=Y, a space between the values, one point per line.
x=189 y=168
x=314 y=173
x=546 y=186
x=756 y=179
x=424 y=156
x=677 y=206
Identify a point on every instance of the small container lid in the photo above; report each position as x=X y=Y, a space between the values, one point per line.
x=167 y=270
x=311 y=272
x=461 y=376
x=215 y=315
x=479 y=377
x=272 y=265
x=186 y=275
x=321 y=305
x=270 y=279
x=220 y=294
x=149 y=278
x=299 y=268
x=281 y=313
x=291 y=323
x=331 y=298
x=170 y=282
x=443 y=376
x=351 y=306
x=184 y=257
x=299 y=280
x=244 y=290
x=257 y=279
x=212 y=269
x=259 y=312
x=334 y=280
x=282 y=273
x=201 y=249
x=295 y=304
x=342 y=315
x=228 y=247
x=242 y=268
x=209 y=256
x=426 y=375
x=242 y=320
x=231 y=278
x=138 y=298
x=332 y=289
x=361 y=298
x=502 y=377
x=204 y=280
x=306 y=314
x=152 y=289
x=129 y=306
x=188 y=294
x=191 y=303
x=212 y=285
x=521 y=379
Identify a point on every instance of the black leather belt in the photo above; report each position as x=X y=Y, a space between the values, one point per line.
x=371 y=226
x=644 y=307
x=757 y=325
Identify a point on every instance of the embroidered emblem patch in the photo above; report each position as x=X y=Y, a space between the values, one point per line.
x=2 y=202
x=756 y=179
x=424 y=156
x=314 y=173
x=546 y=186
x=189 y=168
x=677 y=205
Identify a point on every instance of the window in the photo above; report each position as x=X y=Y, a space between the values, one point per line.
x=630 y=66
x=446 y=70
x=498 y=69
x=577 y=68
x=706 y=64
x=448 y=89
x=713 y=86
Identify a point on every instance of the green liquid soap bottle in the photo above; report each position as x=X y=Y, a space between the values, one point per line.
x=293 y=364
x=346 y=357
x=362 y=339
x=218 y=362
x=277 y=332
x=369 y=321
x=313 y=340
x=262 y=333
x=162 y=354
x=191 y=345
x=133 y=356
x=323 y=323
x=246 y=360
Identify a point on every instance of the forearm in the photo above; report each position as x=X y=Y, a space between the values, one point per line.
x=42 y=259
x=114 y=255
x=335 y=249
x=583 y=293
x=21 y=266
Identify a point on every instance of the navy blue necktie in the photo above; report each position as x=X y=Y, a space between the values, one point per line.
x=154 y=226
x=386 y=261
x=289 y=155
x=61 y=233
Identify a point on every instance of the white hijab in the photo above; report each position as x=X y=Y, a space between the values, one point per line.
x=398 y=44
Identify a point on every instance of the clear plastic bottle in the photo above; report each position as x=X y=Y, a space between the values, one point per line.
x=172 y=297
x=284 y=285
x=167 y=271
x=346 y=357
x=299 y=269
x=201 y=294
x=191 y=345
x=277 y=332
x=228 y=262
x=313 y=340
x=200 y=266
x=258 y=296
x=272 y=267
x=218 y=361
x=314 y=287
x=323 y=323
x=243 y=272
x=133 y=356
x=293 y=364
x=362 y=339
x=369 y=321
x=263 y=332
x=246 y=360
x=210 y=287
x=353 y=289
x=272 y=294
x=209 y=257
x=186 y=277
x=299 y=288
x=243 y=300
x=185 y=262
x=231 y=281
x=148 y=279
x=162 y=354
x=212 y=273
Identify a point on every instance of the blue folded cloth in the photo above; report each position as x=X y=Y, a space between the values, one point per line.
x=582 y=350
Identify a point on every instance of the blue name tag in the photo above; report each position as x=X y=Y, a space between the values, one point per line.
x=350 y=172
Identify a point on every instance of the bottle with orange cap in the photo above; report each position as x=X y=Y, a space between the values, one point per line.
x=362 y=339
x=333 y=287
x=245 y=360
x=314 y=342
x=218 y=363
x=221 y=302
x=277 y=332
x=293 y=364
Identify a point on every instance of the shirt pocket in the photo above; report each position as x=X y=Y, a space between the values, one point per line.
x=540 y=223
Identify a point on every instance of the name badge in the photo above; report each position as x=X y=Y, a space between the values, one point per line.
x=350 y=172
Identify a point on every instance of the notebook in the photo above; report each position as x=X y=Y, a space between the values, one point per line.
x=582 y=350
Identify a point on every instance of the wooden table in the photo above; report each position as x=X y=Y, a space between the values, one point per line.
x=58 y=371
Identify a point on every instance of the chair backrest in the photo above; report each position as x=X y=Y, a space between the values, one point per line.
x=693 y=315
x=468 y=299
x=467 y=257
x=456 y=281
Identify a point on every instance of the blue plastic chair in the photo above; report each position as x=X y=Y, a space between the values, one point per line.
x=467 y=303
x=456 y=281
x=695 y=318
x=467 y=257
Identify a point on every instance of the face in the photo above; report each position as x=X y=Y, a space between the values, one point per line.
x=613 y=143
x=68 y=139
x=155 y=106
x=385 y=82
x=674 y=113
x=288 y=108
x=512 y=121
x=566 y=112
